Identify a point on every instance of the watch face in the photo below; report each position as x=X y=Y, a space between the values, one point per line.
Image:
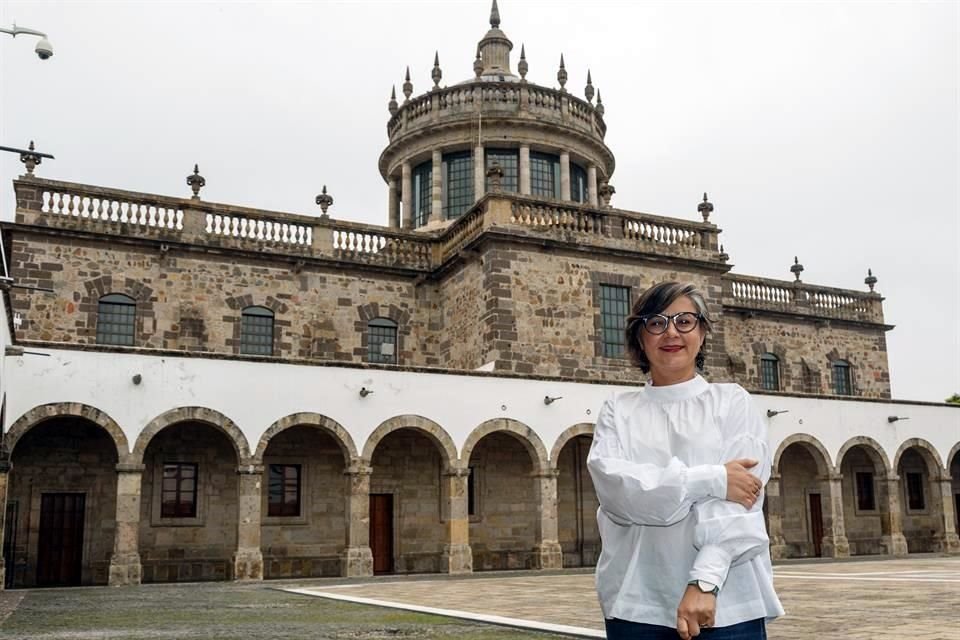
x=706 y=587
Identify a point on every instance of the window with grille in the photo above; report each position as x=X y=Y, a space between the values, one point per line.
x=841 y=378
x=283 y=490
x=256 y=331
x=422 y=193
x=915 y=497
x=178 y=495
x=614 y=309
x=382 y=341
x=769 y=372
x=578 y=183
x=458 y=183
x=509 y=161
x=544 y=175
x=865 y=498
x=116 y=320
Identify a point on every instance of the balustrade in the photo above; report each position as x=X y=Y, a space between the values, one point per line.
x=799 y=297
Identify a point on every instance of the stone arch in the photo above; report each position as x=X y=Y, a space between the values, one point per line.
x=872 y=446
x=927 y=451
x=193 y=414
x=527 y=436
x=46 y=412
x=953 y=454
x=332 y=427
x=424 y=425
x=581 y=429
x=812 y=445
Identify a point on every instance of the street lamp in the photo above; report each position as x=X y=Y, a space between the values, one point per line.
x=44 y=49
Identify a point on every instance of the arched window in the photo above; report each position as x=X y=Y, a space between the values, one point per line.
x=544 y=175
x=841 y=378
x=256 y=331
x=422 y=193
x=382 y=341
x=769 y=372
x=116 y=320
x=578 y=183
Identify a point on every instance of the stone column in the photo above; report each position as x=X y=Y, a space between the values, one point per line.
x=564 y=175
x=457 y=555
x=592 y=185
x=834 y=543
x=436 y=210
x=248 y=560
x=548 y=553
x=357 y=559
x=778 y=546
x=125 y=567
x=892 y=541
x=393 y=204
x=4 y=478
x=479 y=173
x=946 y=539
x=406 y=195
x=525 y=169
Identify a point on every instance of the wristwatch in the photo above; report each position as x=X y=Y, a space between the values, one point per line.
x=705 y=587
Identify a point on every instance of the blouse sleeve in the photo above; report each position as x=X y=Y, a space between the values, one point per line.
x=645 y=493
x=727 y=533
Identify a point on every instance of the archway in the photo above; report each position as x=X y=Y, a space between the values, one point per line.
x=866 y=504
x=921 y=502
x=805 y=499
x=577 y=501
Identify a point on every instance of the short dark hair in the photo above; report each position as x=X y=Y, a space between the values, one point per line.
x=655 y=300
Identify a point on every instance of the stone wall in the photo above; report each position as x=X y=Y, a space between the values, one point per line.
x=190 y=549
x=407 y=465
x=462 y=304
x=308 y=545
x=863 y=527
x=503 y=528
x=806 y=351
x=798 y=479
x=919 y=525
x=64 y=455
x=577 y=505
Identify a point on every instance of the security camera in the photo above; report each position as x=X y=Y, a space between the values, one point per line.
x=44 y=49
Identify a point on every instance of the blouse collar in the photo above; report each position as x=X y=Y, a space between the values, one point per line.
x=676 y=392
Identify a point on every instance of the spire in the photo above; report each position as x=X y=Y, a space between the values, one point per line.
x=562 y=75
x=494 y=16
x=600 y=108
x=588 y=90
x=522 y=66
x=437 y=73
x=392 y=105
x=407 y=85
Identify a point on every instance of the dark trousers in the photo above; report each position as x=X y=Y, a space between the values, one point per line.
x=626 y=630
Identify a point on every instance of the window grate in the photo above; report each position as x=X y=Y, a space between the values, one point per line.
x=116 y=320
x=614 y=308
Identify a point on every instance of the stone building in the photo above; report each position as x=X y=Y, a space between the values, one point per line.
x=198 y=391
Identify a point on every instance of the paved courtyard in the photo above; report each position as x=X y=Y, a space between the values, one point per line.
x=911 y=598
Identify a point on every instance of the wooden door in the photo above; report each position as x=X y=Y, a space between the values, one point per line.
x=60 y=547
x=816 y=524
x=381 y=532
x=9 y=542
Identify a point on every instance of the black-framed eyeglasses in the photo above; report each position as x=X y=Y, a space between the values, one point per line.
x=657 y=323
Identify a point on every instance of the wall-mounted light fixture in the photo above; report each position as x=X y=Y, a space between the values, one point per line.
x=137 y=378
x=771 y=413
x=892 y=419
x=364 y=392
x=549 y=400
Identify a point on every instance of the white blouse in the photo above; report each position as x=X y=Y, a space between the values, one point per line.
x=657 y=465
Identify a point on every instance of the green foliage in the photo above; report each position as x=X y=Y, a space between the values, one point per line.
x=954 y=399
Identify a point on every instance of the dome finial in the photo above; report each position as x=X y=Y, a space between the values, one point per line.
x=562 y=75
x=522 y=66
x=436 y=74
x=870 y=280
x=478 y=64
x=588 y=90
x=705 y=208
x=600 y=108
x=407 y=85
x=494 y=16
x=392 y=105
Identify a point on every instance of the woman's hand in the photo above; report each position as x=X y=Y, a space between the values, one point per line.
x=742 y=486
x=697 y=609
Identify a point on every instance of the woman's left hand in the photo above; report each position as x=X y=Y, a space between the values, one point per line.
x=697 y=610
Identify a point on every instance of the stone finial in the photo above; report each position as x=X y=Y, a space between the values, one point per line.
x=494 y=16
x=870 y=280
x=324 y=200
x=705 y=208
x=796 y=269
x=30 y=159
x=562 y=75
x=196 y=181
x=522 y=66
x=478 y=64
x=606 y=192
x=600 y=108
x=407 y=85
x=392 y=105
x=436 y=74
x=588 y=90
x=723 y=254
x=495 y=174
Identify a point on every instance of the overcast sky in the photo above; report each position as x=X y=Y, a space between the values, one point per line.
x=824 y=130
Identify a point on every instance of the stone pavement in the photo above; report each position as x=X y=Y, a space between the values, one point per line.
x=913 y=598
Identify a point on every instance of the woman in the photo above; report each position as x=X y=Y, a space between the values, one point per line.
x=679 y=468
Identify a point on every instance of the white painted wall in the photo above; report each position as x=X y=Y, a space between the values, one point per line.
x=256 y=394
x=4 y=341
